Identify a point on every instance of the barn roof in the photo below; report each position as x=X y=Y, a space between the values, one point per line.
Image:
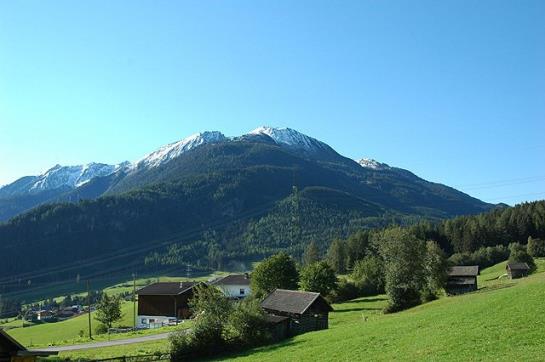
x=293 y=301
x=518 y=266
x=463 y=271
x=167 y=288
x=233 y=279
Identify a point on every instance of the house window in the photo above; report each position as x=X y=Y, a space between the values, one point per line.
x=241 y=291
x=144 y=321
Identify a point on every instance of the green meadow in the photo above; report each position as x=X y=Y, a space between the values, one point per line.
x=504 y=320
x=68 y=332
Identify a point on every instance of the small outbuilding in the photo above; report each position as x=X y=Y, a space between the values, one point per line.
x=462 y=279
x=164 y=303
x=234 y=286
x=306 y=311
x=517 y=270
x=13 y=351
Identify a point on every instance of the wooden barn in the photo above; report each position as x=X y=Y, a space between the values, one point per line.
x=13 y=351
x=517 y=270
x=306 y=311
x=164 y=303
x=462 y=279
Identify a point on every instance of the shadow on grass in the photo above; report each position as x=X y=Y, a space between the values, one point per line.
x=254 y=352
x=364 y=300
x=356 y=309
x=491 y=288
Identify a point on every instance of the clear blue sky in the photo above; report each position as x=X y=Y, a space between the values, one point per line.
x=451 y=90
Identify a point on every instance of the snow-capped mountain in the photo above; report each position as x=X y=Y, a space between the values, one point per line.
x=173 y=150
x=73 y=176
x=373 y=164
x=265 y=148
x=291 y=138
x=61 y=177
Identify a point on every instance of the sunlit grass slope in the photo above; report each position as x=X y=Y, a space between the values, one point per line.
x=505 y=320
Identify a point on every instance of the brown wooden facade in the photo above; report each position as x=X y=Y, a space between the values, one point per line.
x=175 y=306
x=305 y=311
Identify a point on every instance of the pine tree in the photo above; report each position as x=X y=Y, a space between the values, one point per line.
x=336 y=256
x=311 y=254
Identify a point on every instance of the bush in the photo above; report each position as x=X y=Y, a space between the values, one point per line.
x=483 y=257
x=278 y=271
x=101 y=329
x=318 y=277
x=346 y=290
x=368 y=275
x=536 y=247
x=220 y=326
x=246 y=326
x=519 y=255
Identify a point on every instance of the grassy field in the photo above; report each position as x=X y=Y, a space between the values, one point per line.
x=505 y=320
x=68 y=331
x=114 y=285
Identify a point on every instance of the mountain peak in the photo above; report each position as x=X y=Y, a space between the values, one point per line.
x=290 y=137
x=373 y=164
x=173 y=150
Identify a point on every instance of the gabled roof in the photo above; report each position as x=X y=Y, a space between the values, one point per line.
x=293 y=301
x=8 y=343
x=518 y=266
x=167 y=288
x=463 y=271
x=233 y=279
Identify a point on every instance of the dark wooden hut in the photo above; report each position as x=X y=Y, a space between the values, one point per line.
x=306 y=311
x=462 y=279
x=517 y=270
x=13 y=351
x=160 y=301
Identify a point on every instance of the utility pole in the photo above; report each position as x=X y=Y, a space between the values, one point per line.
x=134 y=299
x=89 y=307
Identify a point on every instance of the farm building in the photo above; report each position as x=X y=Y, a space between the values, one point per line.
x=235 y=286
x=517 y=270
x=306 y=311
x=161 y=304
x=13 y=351
x=462 y=279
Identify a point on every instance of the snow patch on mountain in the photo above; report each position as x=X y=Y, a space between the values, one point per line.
x=73 y=176
x=373 y=164
x=291 y=138
x=173 y=150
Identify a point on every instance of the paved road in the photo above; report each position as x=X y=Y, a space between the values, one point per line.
x=118 y=342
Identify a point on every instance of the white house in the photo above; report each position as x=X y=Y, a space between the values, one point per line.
x=236 y=286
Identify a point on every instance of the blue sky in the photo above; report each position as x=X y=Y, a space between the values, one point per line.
x=451 y=90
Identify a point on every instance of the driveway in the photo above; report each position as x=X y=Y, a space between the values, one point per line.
x=117 y=342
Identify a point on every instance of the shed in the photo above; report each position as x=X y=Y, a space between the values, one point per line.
x=517 y=270
x=13 y=351
x=164 y=303
x=462 y=279
x=278 y=326
x=235 y=286
x=307 y=311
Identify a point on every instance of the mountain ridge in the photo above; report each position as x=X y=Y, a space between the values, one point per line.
x=89 y=181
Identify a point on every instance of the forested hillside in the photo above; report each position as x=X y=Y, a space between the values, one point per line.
x=218 y=204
